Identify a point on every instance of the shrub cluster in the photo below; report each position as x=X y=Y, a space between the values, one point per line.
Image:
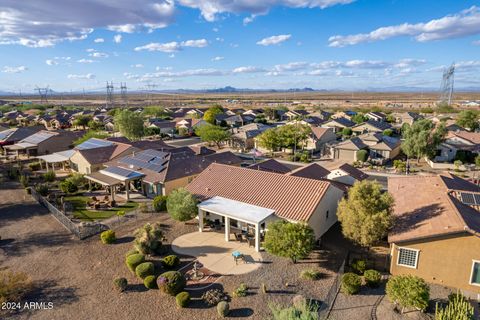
x=160 y=203
x=150 y=282
x=351 y=283
x=182 y=299
x=145 y=269
x=120 y=284
x=359 y=266
x=14 y=286
x=170 y=262
x=213 y=296
x=108 y=237
x=372 y=278
x=310 y=274
x=67 y=186
x=49 y=176
x=223 y=309
x=408 y=291
x=134 y=260
x=241 y=291
x=171 y=282
x=42 y=189
x=148 y=239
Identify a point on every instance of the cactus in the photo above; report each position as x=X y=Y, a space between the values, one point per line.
x=457 y=309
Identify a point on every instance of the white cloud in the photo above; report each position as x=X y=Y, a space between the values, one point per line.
x=98 y=55
x=249 y=69
x=211 y=8
x=86 y=61
x=274 y=40
x=51 y=62
x=219 y=39
x=99 y=40
x=462 y=24
x=173 y=46
x=19 y=69
x=138 y=65
x=248 y=20
x=117 y=38
x=171 y=56
x=292 y=66
x=218 y=58
x=88 y=76
x=43 y=23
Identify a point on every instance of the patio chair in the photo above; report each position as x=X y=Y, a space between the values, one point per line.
x=94 y=199
x=106 y=198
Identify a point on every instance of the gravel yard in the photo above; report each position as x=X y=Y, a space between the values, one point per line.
x=77 y=275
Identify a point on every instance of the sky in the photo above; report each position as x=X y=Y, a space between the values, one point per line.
x=72 y=45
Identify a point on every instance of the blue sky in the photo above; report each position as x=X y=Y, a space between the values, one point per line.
x=322 y=44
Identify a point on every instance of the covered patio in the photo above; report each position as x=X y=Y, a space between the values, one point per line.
x=235 y=215
x=26 y=148
x=58 y=158
x=112 y=177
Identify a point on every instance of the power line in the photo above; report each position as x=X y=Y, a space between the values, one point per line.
x=123 y=93
x=43 y=93
x=446 y=90
x=109 y=99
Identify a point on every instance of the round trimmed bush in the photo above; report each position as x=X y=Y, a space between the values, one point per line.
x=359 y=266
x=183 y=299
x=223 y=308
x=150 y=282
x=171 y=282
x=351 y=283
x=408 y=291
x=372 y=278
x=68 y=186
x=120 y=284
x=108 y=237
x=160 y=203
x=130 y=252
x=170 y=262
x=134 y=260
x=145 y=269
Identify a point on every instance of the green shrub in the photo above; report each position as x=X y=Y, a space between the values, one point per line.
x=170 y=262
x=351 y=283
x=171 y=282
x=372 y=278
x=145 y=269
x=108 y=237
x=42 y=189
x=150 y=282
x=362 y=155
x=388 y=132
x=223 y=308
x=359 y=266
x=183 y=299
x=24 y=180
x=241 y=291
x=310 y=274
x=408 y=292
x=77 y=179
x=458 y=308
x=134 y=260
x=34 y=166
x=120 y=284
x=213 y=296
x=160 y=203
x=49 y=176
x=148 y=239
x=68 y=186
x=130 y=252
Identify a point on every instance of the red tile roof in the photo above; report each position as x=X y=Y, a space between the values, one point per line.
x=270 y=165
x=292 y=198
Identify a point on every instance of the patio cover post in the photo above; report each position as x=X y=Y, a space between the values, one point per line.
x=200 y=220
x=257 y=237
x=127 y=187
x=227 y=229
x=112 y=192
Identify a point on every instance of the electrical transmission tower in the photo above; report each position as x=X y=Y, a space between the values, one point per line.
x=446 y=90
x=149 y=90
x=43 y=93
x=123 y=93
x=109 y=99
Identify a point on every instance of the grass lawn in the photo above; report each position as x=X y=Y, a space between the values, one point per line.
x=80 y=210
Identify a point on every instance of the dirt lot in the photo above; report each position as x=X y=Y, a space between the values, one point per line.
x=77 y=275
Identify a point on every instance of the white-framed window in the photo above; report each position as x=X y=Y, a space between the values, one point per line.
x=475 y=274
x=407 y=257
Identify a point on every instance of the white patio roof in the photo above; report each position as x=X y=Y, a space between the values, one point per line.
x=20 y=146
x=57 y=156
x=235 y=209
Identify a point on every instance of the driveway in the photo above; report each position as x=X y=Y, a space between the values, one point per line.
x=215 y=253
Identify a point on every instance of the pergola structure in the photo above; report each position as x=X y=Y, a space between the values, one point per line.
x=240 y=211
x=58 y=157
x=114 y=176
x=21 y=146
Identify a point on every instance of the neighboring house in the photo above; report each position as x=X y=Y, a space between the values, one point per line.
x=270 y=165
x=14 y=135
x=338 y=124
x=458 y=140
x=253 y=112
x=371 y=126
x=343 y=114
x=323 y=115
x=436 y=235
x=165 y=171
x=232 y=112
x=295 y=115
x=245 y=199
x=406 y=117
x=347 y=174
x=381 y=148
x=244 y=136
x=376 y=116
x=166 y=127
x=347 y=150
x=3 y=127
x=45 y=142
x=320 y=138
x=311 y=171
x=190 y=124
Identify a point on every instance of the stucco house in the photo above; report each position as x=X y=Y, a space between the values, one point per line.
x=371 y=126
x=347 y=174
x=458 y=140
x=376 y=116
x=320 y=138
x=338 y=124
x=437 y=231
x=244 y=136
x=244 y=199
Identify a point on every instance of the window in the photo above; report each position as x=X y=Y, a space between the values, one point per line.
x=407 y=257
x=475 y=278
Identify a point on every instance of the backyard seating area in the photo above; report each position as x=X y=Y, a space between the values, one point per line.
x=104 y=203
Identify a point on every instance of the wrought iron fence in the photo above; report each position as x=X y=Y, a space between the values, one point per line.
x=329 y=301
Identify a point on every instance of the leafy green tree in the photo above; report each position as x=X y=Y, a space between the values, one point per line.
x=468 y=119
x=362 y=155
x=82 y=121
x=294 y=134
x=290 y=240
x=181 y=205
x=422 y=138
x=269 y=140
x=155 y=112
x=359 y=118
x=90 y=134
x=130 y=124
x=388 y=132
x=160 y=203
x=270 y=113
x=347 y=132
x=366 y=214
x=213 y=134
x=408 y=291
x=68 y=186
x=210 y=115
x=95 y=125
x=152 y=131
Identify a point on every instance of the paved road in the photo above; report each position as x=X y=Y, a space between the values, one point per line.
x=183 y=142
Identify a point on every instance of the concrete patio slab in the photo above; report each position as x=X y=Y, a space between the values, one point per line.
x=215 y=254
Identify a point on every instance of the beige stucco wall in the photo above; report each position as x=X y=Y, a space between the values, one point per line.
x=171 y=185
x=83 y=166
x=446 y=261
x=345 y=155
x=319 y=221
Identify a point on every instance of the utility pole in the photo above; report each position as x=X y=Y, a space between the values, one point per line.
x=123 y=93
x=43 y=93
x=446 y=90
x=109 y=98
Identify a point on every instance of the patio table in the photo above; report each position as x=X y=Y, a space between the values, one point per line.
x=237 y=255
